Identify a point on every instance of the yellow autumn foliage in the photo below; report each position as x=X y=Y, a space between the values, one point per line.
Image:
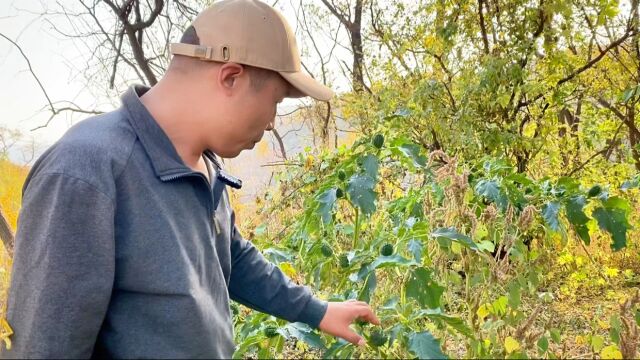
x=12 y=177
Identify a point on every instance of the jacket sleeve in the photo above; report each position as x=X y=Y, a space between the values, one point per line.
x=260 y=285
x=63 y=269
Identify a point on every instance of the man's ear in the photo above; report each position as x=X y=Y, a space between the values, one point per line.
x=228 y=76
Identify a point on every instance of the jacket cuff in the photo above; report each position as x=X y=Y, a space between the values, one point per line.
x=313 y=312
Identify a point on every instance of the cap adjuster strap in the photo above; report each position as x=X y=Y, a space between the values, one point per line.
x=201 y=52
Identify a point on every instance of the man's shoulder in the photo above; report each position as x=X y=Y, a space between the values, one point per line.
x=107 y=134
x=95 y=150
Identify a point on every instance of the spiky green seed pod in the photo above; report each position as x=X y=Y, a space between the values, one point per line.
x=344 y=261
x=386 y=250
x=378 y=338
x=594 y=191
x=271 y=331
x=378 y=141
x=326 y=250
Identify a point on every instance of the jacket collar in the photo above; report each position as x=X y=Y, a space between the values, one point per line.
x=164 y=157
x=159 y=148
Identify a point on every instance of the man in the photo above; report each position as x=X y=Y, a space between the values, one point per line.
x=126 y=244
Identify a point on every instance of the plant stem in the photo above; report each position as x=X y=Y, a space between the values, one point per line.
x=356 y=232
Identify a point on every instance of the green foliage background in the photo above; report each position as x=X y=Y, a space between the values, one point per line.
x=507 y=186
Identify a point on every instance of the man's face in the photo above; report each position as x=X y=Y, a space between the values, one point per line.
x=248 y=113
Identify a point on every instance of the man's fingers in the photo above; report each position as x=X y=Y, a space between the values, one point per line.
x=365 y=313
x=354 y=338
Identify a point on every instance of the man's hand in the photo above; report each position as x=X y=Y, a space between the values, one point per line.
x=340 y=315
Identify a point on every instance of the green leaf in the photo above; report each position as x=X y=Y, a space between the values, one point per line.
x=415 y=247
x=628 y=94
x=612 y=217
x=597 y=343
x=555 y=335
x=360 y=190
x=543 y=345
x=412 y=151
x=630 y=184
x=491 y=190
x=369 y=287
x=326 y=200
x=393 y=260
x=423 y=288
x=278 y=256
x=455 y=322
x=577 y=217
x=244 y=346
x=303 y=332
x=514 y=295
x=340 y=349
x=487 y=245
x=550 y=212
x=452 y=234
x=567 y=186
x=370 y=166
x=499 y=307
x=425 y=346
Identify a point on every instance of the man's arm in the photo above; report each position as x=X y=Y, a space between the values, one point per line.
x=259 y=284
x=63 y=268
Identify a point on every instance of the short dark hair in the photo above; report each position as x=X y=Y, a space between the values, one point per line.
x=190 y=36
x=257 y=76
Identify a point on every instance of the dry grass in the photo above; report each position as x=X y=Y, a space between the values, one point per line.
x=11 y=179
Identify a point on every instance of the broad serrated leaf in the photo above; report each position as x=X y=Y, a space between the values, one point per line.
x=543 y=345
x=631 y=184
x=487 y=245
x=628 y=94
x=491 y=190
x=360 y=190
x=576 y=216
x=277 y=256
x=455 y=322
x=425 y=346
x=387 y=261
x=612 y=217
x=452 y=234
x=423 y=288
x=303 y=332
x=340 y=349
x=550 y=213
x=370 y=166
x=415 y=247
x=412 y=151
x=369 y=287
x=244 y=346
x=326 y=200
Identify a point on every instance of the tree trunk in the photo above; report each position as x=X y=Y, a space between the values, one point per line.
x=6 y=235
x=356 y=45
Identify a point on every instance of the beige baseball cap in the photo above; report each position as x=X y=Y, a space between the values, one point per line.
x=251 y=32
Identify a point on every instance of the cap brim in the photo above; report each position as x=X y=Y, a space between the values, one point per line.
x=305 y=85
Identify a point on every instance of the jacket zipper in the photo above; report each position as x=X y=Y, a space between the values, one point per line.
x=212 y=211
